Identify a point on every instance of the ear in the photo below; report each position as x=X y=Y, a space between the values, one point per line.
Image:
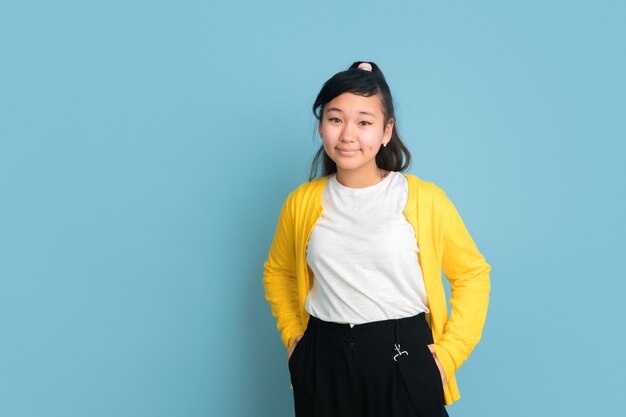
x=388 y=131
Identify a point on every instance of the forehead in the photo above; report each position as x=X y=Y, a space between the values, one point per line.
x=353 y=103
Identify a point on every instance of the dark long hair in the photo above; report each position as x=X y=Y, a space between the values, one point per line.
x=393 y=157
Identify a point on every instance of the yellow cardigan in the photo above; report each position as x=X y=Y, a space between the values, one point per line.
x=443 y=242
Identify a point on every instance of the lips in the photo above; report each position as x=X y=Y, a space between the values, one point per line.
x=346 y=152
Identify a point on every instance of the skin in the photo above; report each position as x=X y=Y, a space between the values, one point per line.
x=353 y=129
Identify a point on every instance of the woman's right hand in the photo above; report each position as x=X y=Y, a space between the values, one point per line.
x=293 y=347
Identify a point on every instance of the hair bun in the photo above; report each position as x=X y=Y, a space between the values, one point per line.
x=365 y=66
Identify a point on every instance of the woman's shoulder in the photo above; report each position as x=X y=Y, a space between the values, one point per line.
x=423 y=187
x=307 y=191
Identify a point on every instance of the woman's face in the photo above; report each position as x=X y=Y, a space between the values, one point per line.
x=352 y=130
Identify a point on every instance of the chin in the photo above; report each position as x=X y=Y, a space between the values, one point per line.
x=348 y=167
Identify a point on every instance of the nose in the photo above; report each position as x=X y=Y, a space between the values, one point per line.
x=347 y=133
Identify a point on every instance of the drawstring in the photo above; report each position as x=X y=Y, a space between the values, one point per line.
x=397 y=342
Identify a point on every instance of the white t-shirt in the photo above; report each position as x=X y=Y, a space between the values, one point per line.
x=363 y=253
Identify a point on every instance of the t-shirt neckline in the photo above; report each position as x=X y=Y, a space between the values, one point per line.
x=363 y=190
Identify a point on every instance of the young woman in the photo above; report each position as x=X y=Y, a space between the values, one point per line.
x=353 y=275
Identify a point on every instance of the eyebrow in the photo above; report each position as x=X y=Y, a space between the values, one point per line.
x=341 y=111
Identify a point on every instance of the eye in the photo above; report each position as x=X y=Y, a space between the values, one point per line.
x=365 y=123
x=334 y=120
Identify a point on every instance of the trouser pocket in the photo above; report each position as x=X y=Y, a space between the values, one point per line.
x=422 y=380
x=296 y=351
x=302 y=374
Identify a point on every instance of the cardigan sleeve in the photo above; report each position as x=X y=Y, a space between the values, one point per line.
x=468 y=273
x=279 y=277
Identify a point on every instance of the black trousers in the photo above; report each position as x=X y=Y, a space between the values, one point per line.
x=377 y=369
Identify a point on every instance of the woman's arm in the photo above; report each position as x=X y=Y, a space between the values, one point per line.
x=468 y=273
x=279 y=278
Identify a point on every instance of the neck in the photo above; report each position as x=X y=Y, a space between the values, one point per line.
x=360 y=178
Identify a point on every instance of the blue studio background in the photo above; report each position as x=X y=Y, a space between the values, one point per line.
x=146 y=148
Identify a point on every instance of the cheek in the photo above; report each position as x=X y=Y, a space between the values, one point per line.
x=372 y=142
x=329 y=136
x=327 y=141
x=325 y=131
